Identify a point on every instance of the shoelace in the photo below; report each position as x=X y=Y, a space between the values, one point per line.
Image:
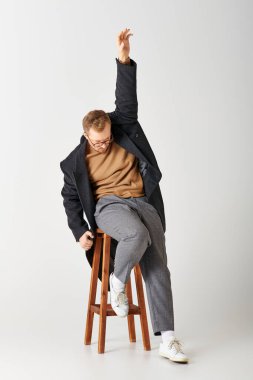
x=177 y=344
x=122 y=298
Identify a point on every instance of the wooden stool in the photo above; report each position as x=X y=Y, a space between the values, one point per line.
x=105 y=310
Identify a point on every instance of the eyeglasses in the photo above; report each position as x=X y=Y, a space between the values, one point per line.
x=99 y=144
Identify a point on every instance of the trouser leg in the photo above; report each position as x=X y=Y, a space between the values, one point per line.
x=156 y=273
x=123 y=223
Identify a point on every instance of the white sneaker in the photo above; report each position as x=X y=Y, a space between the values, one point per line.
x=119 y=300
x=173 y=351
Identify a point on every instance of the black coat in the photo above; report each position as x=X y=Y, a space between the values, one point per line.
x=77 y=193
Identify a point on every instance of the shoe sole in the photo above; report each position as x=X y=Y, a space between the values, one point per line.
x=172 y=359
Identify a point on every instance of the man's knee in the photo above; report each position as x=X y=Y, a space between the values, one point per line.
x=140 y=234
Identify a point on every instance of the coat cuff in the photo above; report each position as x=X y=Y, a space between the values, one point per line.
x=79 y=232
x=131 y=64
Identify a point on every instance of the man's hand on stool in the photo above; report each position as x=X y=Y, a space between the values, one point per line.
x=86 y=240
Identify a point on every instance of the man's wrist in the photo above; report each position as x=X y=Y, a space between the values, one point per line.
x=125 y=61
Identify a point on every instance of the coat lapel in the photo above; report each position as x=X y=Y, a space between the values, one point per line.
x=150 y=175
x=123 y=140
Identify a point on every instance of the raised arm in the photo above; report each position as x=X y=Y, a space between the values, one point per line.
x=126 y=91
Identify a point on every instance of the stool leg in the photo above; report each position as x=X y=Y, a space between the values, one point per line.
x=141 y=303
x=104 y=294
x=93 y=289
x=130 y=317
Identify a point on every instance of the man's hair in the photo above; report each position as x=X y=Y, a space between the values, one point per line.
x=95 y=119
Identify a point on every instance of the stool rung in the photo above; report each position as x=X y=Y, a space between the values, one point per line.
x=133 y=309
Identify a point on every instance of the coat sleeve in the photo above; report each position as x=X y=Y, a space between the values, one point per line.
x=73 y=207
x=126 y=93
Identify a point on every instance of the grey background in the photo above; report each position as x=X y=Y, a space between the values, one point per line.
x=194 y=83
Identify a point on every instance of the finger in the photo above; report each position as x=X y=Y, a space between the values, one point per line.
x=122 y=31
x=130 y=34
x=120 y=34
x=125 y=32
x=119 y=41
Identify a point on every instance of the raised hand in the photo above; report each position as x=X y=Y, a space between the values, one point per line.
x=123 y=45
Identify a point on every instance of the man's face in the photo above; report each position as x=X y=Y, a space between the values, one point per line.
x=100 y=141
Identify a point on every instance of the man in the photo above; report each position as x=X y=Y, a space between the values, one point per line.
x=113 y=176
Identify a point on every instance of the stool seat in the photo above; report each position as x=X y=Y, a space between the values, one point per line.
x=103 y=309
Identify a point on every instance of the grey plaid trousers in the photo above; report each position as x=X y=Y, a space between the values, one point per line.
x=137 y=227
